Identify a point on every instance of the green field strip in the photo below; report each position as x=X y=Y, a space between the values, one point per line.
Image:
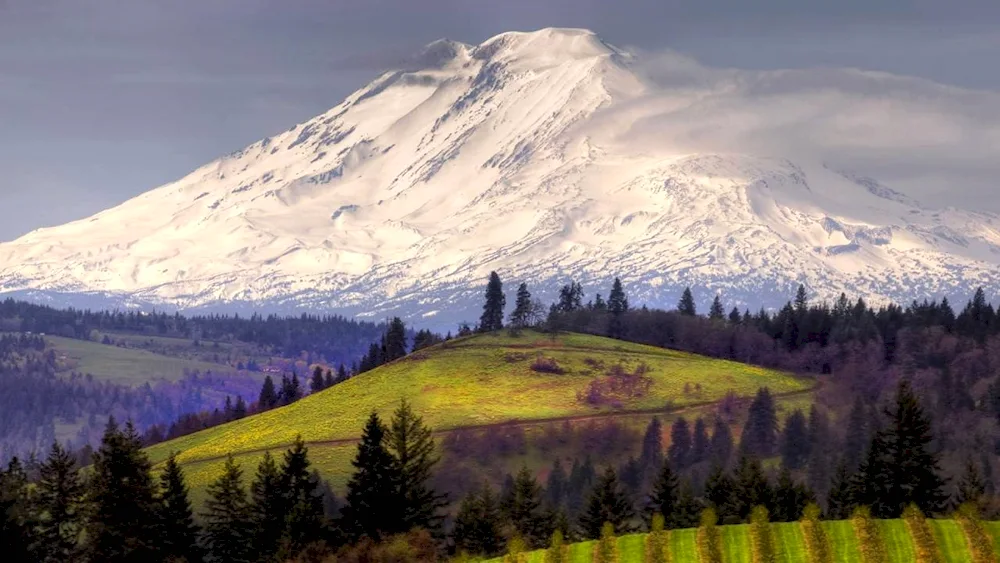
x=993 y=528
x=536 y=556
x=789 y=543
x=632 y=548
x=898 y=543
x=951 y=541
x=736 y=547
x=581 y=552
x=843 y=541
x=684 y=546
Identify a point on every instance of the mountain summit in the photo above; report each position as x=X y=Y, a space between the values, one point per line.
x=543 y=155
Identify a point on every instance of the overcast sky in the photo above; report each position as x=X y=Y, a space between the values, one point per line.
x=101 y=100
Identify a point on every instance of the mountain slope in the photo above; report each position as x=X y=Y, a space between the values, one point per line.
x=544 y=155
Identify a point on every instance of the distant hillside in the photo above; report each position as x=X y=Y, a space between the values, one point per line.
x=481 y=381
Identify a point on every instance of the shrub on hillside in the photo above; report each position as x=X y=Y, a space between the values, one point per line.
x=870 y=542
x=816 y=538
x=606 y=548
x=923 y=539
x=709 y=538
x=657 y=541
x=547 y=365
x=979 y=539
x=761 y=541
x=558 y=551
x=617 y=386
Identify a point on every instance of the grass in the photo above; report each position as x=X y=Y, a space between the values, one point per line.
x=789 y=543
x=484 y=380
x=736 y=544
x=950 y=540
x=898 y=543
x=127 y=366
x=843 y=541
x=632 y=547
x=684 y=546
x=994 y=530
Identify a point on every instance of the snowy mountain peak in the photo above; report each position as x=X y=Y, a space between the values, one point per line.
x=544 y=155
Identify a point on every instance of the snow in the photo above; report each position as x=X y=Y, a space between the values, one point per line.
x=543 y=155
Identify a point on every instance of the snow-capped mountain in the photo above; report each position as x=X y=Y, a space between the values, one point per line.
x=545 y=156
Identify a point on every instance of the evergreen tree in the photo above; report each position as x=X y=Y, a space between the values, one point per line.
x=617 y=301
x=570 y=298
x=760 y=435
x=371 y=490
x=317 y=383
x=795 y=442
x=701 y=445
x=522 y=507
x=820 y=456
x=686 y=305
x=716 y=312
x=520 y=317
x=665 y=498
x=752 y=487
x=303 y=503
x=722 y=444
x=679 y=451
x=178 y=530
x=790 y=498
x=801 y=301
x=59 y=506
x=240 y=410
x=268 y=395
x=15 y=526
x=329 y=380
x=720 y=494
x=394 y=341
x=492 y=318
x=652 y=445
x=857 y=436
x=267 y=508
x=342 y=374
x=839 y=501
x=555 y=486
x=478 y=524
x=123 y=524
x=607 y=503
x=228 y=524
x=735 y=317
x=971 y=487
x=411 y=446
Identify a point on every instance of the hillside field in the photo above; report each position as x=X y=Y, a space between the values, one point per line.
x=789 y=544
x=475 y=381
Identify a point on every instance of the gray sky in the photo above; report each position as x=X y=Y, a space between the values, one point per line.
x=101 y=100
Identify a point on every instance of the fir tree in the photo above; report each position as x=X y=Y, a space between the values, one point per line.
x=177 y=527
x=679 y=451
x=267 y=507
x=412 y=447
x=268 y=394
x=123 y=524
x=329 y=380
x=303 y=503
x=795 y=442
x=720 y=494
x=492 y=317
x=228 y=524
x=760 y=434
x=59 y=503
x=820 y=456
x=570 y=298
x=555 y=486
x=520 y=317
x=240 y=409
x=722 y=444
x=665 y=497
x=716 y=312
x=701 y=445
x=752 y=487
x=790 y=498
x=371 y=490
x=686 y=305
x=735 y=317
x=839 y=501
x=394 y=341
x=617 y=301
x=15 y=526
x=607 y=503
x=857 y=436
x=478 y=524
x=971 y=487
x=342 y=375
x=317 y=383
x=522 y=507
x=652 y=445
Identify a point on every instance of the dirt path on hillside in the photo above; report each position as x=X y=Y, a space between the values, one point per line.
x=515 y=423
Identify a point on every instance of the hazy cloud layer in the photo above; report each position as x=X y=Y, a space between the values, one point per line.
x=103 y=99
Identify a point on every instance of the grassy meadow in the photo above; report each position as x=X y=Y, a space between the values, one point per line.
x=126 y=366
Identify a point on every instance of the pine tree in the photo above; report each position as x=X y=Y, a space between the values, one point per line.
x=617 y=301
x=722 y=444
x=820 y=455
x=60 y=509
x=520 y=317
x=971 y=487
x=679 y=451
x=228 y=524
x=342 y=374
x=492 y=318
x=570 y=298
x=123 y=524
x=267 y=507
x=801 y=300
x=177 y=527
x=317 y=383
x=735 y=317
x=607 y=503
x=394 y=341
x=522 y=507
x=790 y=498
x=857 y=436
x=795 y=442
x=717 y=313
x=371 y=490
x=15 y=529
x=555 y=486
x=720 y=494
x=665 y=497
x=760 y=435
x=240 y=409
x=478 y=524
x=268 y=395
x=686 y=305
x=752 y=487
x=411 y=445
x=329 y=380
x=839 y=501
x=652 y=445
x=303 y=503
x=701 y=445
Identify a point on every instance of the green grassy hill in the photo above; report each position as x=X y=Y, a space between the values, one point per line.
x=126 y=366
x=474 y=381
x=950 y=542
